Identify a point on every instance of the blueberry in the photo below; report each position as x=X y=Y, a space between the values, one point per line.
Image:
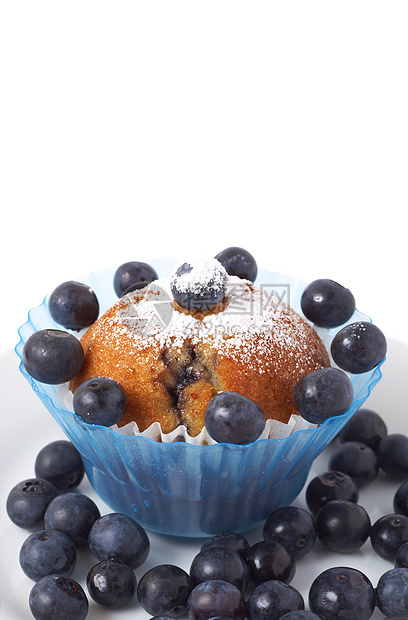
x=119 y=537
x=164 y=590
x=238 y=262
x=100 y=400
x=58 y=597
x=401 y=558
x=322 y=394
x=28 y=500
x=343 y=526
x=216 y=598
x=232 y=540
x=388 y=533
x=300 y=615
x=392 y=455
x=273 y=599
x=327 y=303
x=111 y=583
x=219 y=563
x=357 y=460
x=293 y=527
x=73 y=305
x=47 y=552
x=328 y=486
x=60 y=463
x=233 y=418
x=136 y=286
x=199 y=285
x=73 y=514
x=365 y=426
x=342 y=592
x=53 y=356
x=268 y=559
x=359 y=347
x=401 y=499
x=392 y=593
x=130 y=274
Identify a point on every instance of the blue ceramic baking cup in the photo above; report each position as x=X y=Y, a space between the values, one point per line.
x=186 y=490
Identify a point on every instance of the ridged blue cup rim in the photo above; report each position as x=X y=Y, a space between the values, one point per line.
x=371 y=378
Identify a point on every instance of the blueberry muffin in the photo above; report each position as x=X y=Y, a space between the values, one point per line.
x=172 y=359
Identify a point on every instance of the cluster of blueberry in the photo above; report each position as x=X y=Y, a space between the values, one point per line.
x=342 y=525
x=356 y=348
x=227 y=567
x=62 y=522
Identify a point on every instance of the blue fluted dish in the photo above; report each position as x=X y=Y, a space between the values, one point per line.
x=184 y=490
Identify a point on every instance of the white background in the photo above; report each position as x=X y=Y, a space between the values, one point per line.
x=132 y=130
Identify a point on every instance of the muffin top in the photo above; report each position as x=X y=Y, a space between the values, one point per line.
x=172 y=360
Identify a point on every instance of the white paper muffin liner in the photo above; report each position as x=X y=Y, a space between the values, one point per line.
x=273 y=428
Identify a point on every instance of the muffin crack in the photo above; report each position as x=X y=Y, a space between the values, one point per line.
x=184 y=368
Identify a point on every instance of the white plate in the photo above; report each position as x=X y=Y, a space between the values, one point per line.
x=27 y=427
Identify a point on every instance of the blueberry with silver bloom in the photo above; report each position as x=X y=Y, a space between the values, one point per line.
x=272 y=599
x=327 y=303
x=219 y=563
x=342 y=592
x=47 y=552
x=343 y=526
x=52 y=356
x=366 y=426
x=100 y=400
x=60 y=462
x=73 y=514
x=322 y=394
x=359 y=347
x=357 y=460
x=233 y=540
x=58 y=597
x=28 y=500
x=294 y=528
x=388 y=533
x=268 y=559
x=392 y=593
x=73 y=305
x=216 y=598
x=238 y=262
x=131 y=275
x=111 y=583
x=392 y=455
x=328 y=486
x=233 y=418
x=164 y=590
x=118 y=536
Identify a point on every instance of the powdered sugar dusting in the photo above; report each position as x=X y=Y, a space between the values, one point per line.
x=249 y=321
